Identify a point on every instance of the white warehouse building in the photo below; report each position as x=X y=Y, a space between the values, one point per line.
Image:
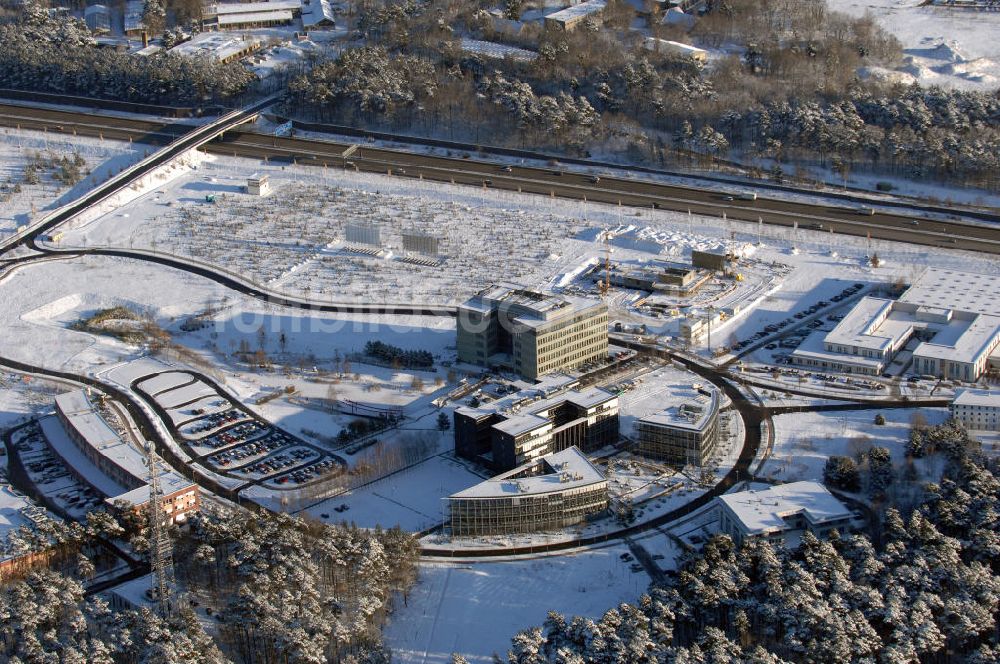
x=954 y=315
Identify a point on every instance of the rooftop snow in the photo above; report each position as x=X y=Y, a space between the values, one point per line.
x=861 y=326
x=568 y=469
x=258 y=7
x=952 y=289
x=575 y=12
x=685 y=408
x=763 y=511
x=969 y=397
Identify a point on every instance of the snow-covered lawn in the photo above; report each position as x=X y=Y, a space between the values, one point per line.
x=804 y=441
x=475 y=608
x=21 y=201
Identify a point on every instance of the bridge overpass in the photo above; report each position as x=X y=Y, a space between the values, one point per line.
x=195 y=138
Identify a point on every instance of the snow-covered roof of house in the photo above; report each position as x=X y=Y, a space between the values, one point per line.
x=499 y=51
x=686 y=407
x=969 y=397
x=318 y=12
x=667 y=46
x=170 y=482
x=576 y=12
x=258 y=7
x=134 y=592
x=218 y=45
x=568 y=469
x=254 y=17
x=765 y=511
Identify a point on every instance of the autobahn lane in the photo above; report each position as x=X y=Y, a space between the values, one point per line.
x=574 y=186
x=551 y=181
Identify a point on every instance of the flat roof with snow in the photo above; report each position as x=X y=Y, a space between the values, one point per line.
x=765 y=511
x=258 y=7
x=576 y=12
x=979 y=398
x=218 y=45
x=685 y=407
x=568 y=469
x=953 y=289
x=528 y=307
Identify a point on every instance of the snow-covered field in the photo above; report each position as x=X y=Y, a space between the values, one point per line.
x=21 y=201
x=475 y=608
x=804 y=441
x=942 y=46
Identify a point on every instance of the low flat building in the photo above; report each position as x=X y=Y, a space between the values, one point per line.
x=569 y=19
x=258 y=185
x=102 y=459
x=247 y=15
x=219 y=46
x=782 y=512
x=530 y=332
x=508 y=432
x=976 y=409
x=98 y=19
x=955 y=316
x=317 y=15
x=686 y=432
x=658 y=277
x=552 y=492
x=668 y=47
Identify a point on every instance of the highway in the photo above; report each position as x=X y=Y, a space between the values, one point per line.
x=832 y=218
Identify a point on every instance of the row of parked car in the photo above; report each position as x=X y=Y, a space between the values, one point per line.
x=254 y=448
x=237 y=434
x=307 y=473
x=273 y=464
x=216 y=420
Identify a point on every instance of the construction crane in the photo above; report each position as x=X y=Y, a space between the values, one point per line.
x=604 y=286
x=161 y=557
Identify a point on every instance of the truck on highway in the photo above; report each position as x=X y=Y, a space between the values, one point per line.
x=866 y=211
x=747 y=196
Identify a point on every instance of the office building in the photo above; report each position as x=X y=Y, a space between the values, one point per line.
x=782 y=513
x=548 y=493
x=686 y=431
x=531 y=333
x=518 y=428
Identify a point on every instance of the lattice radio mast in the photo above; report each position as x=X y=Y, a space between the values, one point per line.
x=161 y=554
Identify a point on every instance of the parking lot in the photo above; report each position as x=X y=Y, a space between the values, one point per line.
x=232 y=441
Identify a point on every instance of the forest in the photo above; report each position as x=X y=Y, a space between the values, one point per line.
x=920 y=586
x=787 y=92
x=57 y=55
x=255 y=587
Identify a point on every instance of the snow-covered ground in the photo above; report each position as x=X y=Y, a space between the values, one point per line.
x=475 y=608
x=20 y=201
x=804 y=441
x=943 y=46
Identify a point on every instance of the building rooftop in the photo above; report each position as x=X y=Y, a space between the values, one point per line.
x=812 y=348
x=521 y=409
x=289 y=6
x=568 y=469
x=764 y=511
x=218 y=45
x=170 y=482
x=317 y=12
x=969 y=397
x=961 y=340
x=859 y=328
x=254 y=17
x=575 y=12
x=528 y=307
x=687 y=407
x=952 y=289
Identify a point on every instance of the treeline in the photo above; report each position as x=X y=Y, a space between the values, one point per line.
x=924 y=588
x=787 y=92
x=57 y=55
x=399 y=357
x=279 y=589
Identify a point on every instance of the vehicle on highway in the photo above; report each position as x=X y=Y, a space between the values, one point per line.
x=728 y=198
x=866 y=211
x=506 y=169
x=487 y=183
x=595 y=179
x=747 y=196
x=913 y=222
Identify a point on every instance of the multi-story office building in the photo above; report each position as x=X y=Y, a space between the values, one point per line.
x=686 y=431
x=518 y=428
x=551 y=492
x=977 y=409
x=781 y=513
x=530 y=332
